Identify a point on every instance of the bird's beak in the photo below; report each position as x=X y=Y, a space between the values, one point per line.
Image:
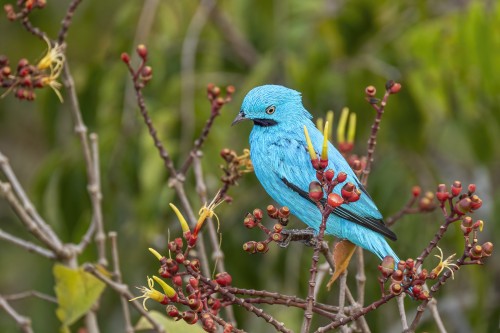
x=239 y=118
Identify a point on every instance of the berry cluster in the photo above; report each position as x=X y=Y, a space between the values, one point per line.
x=25 y=6
x=235 y=166
x=275 y=235
x=27 y=77
x=456 y=204
x=198 y=295
x=142 y=74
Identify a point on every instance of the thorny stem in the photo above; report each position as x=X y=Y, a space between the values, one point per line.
x=280 y=327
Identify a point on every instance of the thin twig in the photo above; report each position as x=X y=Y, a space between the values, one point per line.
x=188 y=59
x=436 y=315
x=30 y=293
x=342 y=294
x=360 y=276
x=402 y=311
x=93 y=187
x=123 y=291
x=118 y=278
x=308 y=313
x=372 y=141
x=27 y=245
x=66 y=22
x=29 y=223
x=100 y=236
x=235 y=39
x=223 y=323
x=23 y=322
x=218 y=254
x=27 y=205
x=280 y=327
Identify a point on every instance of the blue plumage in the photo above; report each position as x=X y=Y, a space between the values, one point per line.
x=282 y=164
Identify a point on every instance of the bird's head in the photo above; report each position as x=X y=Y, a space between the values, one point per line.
x=270 y=105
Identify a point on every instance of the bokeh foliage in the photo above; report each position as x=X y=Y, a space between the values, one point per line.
x=444 y=125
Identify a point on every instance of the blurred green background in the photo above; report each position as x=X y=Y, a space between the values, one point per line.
x=443 y=126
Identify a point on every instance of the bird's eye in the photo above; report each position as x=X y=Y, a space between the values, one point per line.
x=270 y=109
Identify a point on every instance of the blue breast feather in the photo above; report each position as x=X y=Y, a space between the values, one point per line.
x=280 y=153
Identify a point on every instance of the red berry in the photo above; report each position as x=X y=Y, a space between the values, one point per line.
x=341 y=177
x=315 y=191
x=329 y=174
x=335 y=200
x=142 y=51
x=370 y=91
x=125 y=57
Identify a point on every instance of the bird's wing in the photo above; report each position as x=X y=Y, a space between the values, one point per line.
x=296 y=172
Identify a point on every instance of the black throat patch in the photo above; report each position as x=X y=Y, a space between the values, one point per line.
x=264 y=122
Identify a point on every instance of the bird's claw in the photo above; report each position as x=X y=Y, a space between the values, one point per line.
x=305 y=236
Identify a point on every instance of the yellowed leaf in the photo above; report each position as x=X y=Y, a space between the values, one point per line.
x=76 y=292
x=342 y=254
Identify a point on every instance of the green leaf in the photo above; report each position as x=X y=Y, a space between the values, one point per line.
x=168 y=324
x=76 y=292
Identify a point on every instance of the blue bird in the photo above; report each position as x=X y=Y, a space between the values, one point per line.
x=281 y=161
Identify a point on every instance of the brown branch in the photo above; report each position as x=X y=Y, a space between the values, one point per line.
x=66 y=22
x=280 y=327
x=372 y=141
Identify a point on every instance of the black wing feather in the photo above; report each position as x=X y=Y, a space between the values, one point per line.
x=371 y=223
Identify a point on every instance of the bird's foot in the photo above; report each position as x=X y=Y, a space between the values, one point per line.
x=306 y=236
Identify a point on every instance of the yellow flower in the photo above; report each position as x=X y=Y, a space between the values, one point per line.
x=150 y=292
x=208 y=212
x=447 y=263
x=54 y=61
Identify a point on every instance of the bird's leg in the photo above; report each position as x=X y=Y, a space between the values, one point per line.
x=306 y=236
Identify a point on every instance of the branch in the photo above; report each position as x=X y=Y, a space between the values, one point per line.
x=117 y=275
x=66 y=22
x=280 y=327
x=27 y=245
x=26 y=205
x=23 y=322
x=123 y=291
